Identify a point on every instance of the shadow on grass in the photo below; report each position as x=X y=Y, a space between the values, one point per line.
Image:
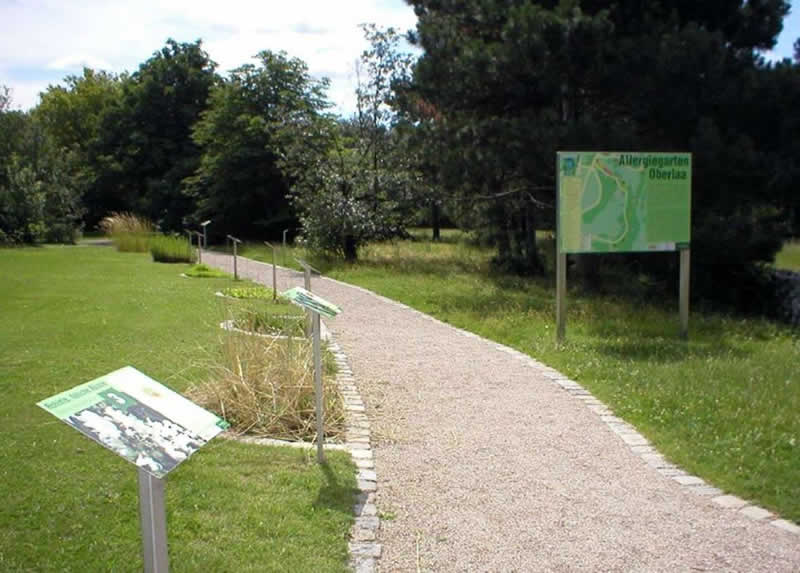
x=334 y=495
x=661 y=350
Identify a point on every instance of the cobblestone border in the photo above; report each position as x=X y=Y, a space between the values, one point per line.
x=364 y=548
x=636 y=442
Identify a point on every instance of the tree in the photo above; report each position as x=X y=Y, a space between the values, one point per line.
x=238 y=182
x=355 y=182
x=72 y=117
x=513 y=82
x=145 y=148
x=38 y=199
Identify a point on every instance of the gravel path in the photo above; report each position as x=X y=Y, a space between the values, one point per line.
x=485 y=464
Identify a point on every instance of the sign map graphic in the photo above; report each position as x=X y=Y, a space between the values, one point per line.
x=623 y=201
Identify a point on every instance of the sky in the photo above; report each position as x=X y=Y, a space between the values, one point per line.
x=42 y=41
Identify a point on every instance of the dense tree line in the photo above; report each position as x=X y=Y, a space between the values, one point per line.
x=503 y=84
x=466 y=132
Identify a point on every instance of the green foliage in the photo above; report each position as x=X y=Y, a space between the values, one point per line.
x=68 y=502
x=39 y=199
x=254 y=292
x=789 y=256
x=503 y=85
x=203 y=271
x=171 y=249
x=238 y=182
x=144 y=149
x=353 y=183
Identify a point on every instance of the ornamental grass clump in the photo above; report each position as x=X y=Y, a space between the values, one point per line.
x=278 y=320
x=265 y=387
x=166 y=249
x=128 y=232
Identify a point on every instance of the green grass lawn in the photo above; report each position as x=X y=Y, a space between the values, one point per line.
x=789 y=257
x=72 y=314
x=724 y=405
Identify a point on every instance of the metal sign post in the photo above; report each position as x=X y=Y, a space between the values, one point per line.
x=315 y=306
x=120 y=411
x=561 y=296
x=199 y=246
x=274 y=273
x=234 y=240
x=284 y=246
x=204 y=224
x=683 y=304
x=319 y=405
x=153 y=519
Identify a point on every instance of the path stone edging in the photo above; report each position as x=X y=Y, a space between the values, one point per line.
x=635 y=441
x=363 y=546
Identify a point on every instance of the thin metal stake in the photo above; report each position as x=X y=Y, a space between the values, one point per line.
x=685 y=270
x=274 y=273
x=284 y=246
x=235 y=271
x=561 y=296
x=153 y=518
x=318 y=389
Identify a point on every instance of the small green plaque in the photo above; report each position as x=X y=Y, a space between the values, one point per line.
x=306 y=299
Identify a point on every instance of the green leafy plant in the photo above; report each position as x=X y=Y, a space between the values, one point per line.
x=170 y=249
x=253 y=292
x=203 y=271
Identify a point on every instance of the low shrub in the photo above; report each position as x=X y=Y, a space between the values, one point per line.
x=203 y=271
x=265 y=387
x=253 y=292
x=166 y=249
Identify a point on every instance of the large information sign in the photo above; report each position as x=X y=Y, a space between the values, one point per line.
x=614 y=201
x=137 y=418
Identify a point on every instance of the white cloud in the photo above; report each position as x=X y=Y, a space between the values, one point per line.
x=41 y=35
x=72 y=62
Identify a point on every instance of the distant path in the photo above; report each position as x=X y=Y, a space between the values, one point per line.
x=484 y=463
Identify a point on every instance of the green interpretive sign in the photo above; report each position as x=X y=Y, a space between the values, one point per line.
x=137 y=418
x=306 y=299
x=623 y=202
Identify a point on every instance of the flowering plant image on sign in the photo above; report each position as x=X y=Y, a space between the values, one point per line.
x=306 y=299
x=614 y=201
x=139 y=419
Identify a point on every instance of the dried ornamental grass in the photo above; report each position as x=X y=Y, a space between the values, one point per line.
x=129 y=232
x=265 y=387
